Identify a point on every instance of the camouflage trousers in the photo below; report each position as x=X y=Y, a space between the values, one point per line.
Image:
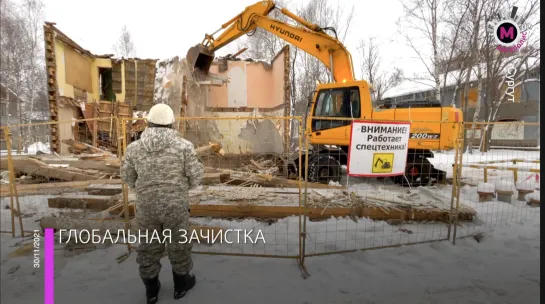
x=154 y=215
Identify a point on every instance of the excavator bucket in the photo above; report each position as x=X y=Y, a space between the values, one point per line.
x=199 y=58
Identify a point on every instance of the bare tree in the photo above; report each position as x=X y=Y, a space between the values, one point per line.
x=262 y=44
x=370 y=68
x=422 y=21
x=22 y=56
x=309 y=70
x=492 y=67
x=432 y=29
x=124 y=47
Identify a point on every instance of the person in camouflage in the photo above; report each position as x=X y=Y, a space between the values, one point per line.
x=162 y=166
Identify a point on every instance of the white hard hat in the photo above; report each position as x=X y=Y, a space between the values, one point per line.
x=161 y=114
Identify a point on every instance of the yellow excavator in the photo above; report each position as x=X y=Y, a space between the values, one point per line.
x=433 y=127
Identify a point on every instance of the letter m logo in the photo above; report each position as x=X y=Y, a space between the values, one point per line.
x=507 y=33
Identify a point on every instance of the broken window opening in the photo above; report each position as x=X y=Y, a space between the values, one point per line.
x=105 y=82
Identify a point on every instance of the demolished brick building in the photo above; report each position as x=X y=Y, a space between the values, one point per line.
x=84 y=85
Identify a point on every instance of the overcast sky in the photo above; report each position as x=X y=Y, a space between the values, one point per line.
x=166 y=28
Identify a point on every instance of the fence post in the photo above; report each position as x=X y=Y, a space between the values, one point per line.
x=125 y=189
x=303 y=236
x=12 y=186
x=454 y=183
x=301 y=233
x=95 y=124
x=459 y=162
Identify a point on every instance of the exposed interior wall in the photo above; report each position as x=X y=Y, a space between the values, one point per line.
x=254 y=89
x=74 y=77
x=139 y=83
x=78 y=69
x=251 y=84
x=65 y=129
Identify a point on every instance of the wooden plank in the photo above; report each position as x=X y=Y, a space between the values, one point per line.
x=98 y=203
x=209 y=149
x=101 y=165
x=215 y=178
x=33 y=166
x=83 y=147
x=89 y=202
x=315 y=213
x=104 y=189
x=37 y=188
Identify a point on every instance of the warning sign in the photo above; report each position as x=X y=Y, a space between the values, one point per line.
x=383 y=162
x=378 y=148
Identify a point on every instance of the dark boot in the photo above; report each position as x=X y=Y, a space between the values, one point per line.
x=152 y=289
x=182 y=283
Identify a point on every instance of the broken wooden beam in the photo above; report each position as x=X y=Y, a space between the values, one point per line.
x=31 y=166
x=38 y=188
x=100 y=165
x=267 y=180
x=110 y=190
x=76 y=201
x=313 y=213
x=320 y=213
x=80 y=147
x=212 y=148
x=215 y=178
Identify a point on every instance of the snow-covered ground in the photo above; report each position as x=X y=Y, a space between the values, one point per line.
x=340 y=234
x=502 y=268
x=499 y=269
x=445 y=160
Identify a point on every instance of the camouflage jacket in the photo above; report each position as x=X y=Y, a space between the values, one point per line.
x=161 y=158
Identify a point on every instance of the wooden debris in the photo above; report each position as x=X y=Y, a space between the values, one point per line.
x=267 y=180
x=318 y=213
x=37 y=188
x=89 y=202
x=78 y=147
x=85 y=164
x=110 y=190
x=31 y=166
x=215 y=178
x=212 y=148
x=257 y=165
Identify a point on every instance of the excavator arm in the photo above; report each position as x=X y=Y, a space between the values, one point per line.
x=308 y=37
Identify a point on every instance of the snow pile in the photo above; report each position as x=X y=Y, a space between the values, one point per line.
x=534 y=196
x=525 y=186
x=4 y=177
x=485 y=187
x=38 y=146
x=504 y=185
x=332 y=183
